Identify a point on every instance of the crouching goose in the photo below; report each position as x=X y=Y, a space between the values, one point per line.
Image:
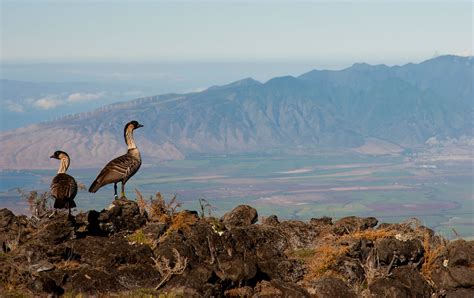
x=123 y=167
x=63 y=187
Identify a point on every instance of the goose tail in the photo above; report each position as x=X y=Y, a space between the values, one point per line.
x=95 y=186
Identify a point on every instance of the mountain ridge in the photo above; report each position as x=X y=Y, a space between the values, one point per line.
x=404 y=105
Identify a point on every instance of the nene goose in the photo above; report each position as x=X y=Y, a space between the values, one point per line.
x=63 y=187
x=123 y=167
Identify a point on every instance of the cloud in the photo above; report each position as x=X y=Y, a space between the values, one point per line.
x=52 y=101
x=82 y=97
x=48 y=102
x=14 y=106
x=465 y=53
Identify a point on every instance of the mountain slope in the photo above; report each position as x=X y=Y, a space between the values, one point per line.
x=404 y=105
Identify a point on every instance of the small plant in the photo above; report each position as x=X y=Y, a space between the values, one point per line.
x=182 y=221
x=139 y=237
x=166 y=270
x=157 y=208
x=12 y=243
x=333 y=247
x=434 y=248
x=203 y=205
x=39 y=204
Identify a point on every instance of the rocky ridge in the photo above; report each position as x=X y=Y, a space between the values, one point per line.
x=136 y=249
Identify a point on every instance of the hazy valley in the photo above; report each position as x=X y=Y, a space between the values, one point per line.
x=400 y=106
x=391 y=142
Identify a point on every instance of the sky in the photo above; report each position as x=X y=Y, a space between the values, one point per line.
x=140 y=31
x=81 y=55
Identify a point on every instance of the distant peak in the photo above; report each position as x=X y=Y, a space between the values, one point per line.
x=244 y=82
x=281 y=79
x=240 y=83
x=450 y=58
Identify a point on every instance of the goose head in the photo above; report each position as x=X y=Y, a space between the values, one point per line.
x=133 y=125
x=64 y=158
x=59 y=155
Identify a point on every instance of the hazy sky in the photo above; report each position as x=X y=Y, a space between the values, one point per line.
x=370 y=31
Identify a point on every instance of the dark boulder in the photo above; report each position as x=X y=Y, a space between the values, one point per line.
x=121 y=216
x=6 y=217
x=14 y=230
x=46 y=284
x=390 y=288
x=401 y=252
x=272 y=220
x=242 y=215
x=329 y=287
x=402 y=282
x=58 y=229
x=454 y=268
x=320 y=222
x=347 y=225
x=298 y=234
x=460 y=293
x=277 y=288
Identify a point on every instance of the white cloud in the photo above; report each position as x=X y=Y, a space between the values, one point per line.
x=52 y=101
x=81 y=97
x=14 y=106
x=48 y=102
x=465 y=53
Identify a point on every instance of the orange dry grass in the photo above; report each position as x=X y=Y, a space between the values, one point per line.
x=325 y=256
x=370 y=234
x=182 y=221
x=68 y=265
x=434 y=248
x=157 y=208
x=334 y=247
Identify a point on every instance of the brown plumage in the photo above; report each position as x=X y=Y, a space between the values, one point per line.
x=122 y=168
x=63 y=187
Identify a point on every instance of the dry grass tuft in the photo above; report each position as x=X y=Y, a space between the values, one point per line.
x=324 y=257
x=239 y=292
x=139 y=237
x=157 y=208
x=434 y=248
x=182 y=221
x=369 y=234
x=167 y=270
x=303 y=254
x=40 y=204
x=68 y=265
x=333 y=247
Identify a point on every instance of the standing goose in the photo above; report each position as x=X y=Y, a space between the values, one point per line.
x=63 y=187
x=123 y=167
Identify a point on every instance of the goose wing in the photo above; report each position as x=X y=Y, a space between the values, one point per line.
x=63 y=187
x=118 y=169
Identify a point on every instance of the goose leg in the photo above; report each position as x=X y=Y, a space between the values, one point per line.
x=123 y=189
x=115 y=191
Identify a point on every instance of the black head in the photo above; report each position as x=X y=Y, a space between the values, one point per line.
x=134 y=124
x=59 y=154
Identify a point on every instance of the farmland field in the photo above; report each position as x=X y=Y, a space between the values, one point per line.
x=391 y=188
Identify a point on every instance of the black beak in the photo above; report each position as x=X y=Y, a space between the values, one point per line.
x=52 y=156
x=139 y=125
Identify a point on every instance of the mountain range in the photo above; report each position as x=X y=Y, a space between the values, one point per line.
x=403 y=105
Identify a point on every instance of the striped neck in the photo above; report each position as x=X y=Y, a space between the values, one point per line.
x=63 y=165
x=129 y=138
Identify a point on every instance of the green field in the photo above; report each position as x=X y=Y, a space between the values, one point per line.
x=391 y=188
